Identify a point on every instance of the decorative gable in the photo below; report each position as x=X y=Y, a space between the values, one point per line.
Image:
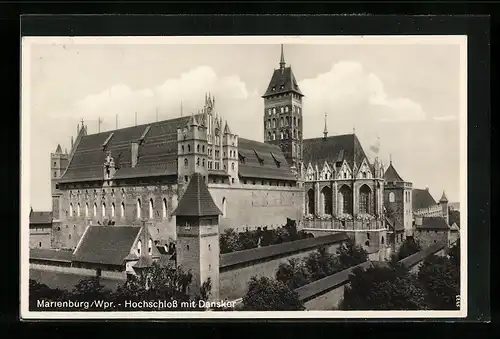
x=310 y=172
x=326 y=172
x=345 y=171
x=364 y=170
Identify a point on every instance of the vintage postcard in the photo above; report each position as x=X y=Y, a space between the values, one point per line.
x=244 y=177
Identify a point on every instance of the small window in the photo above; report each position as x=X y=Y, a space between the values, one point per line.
x=59 y=228
x=209 y=267
x=232 y=180
x=187 y=226
x=189 y=148
x=367 y=243
x=139 y=246
x=186 y=162
x=392 y=197
x=209 y=248
x=187 y=247
x=368 y=235
x=69 y=237
x=182 y=147
x=150 y=247
x=382 y=240
x=186 y=178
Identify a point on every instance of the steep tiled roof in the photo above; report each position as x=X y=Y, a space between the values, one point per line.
x=106 y=244
x=433 y=223
x=258 y=161
x=50 y=254
x=157 y=153
x=422 y=199
x=282 y=81
x=196 y=200
x=391 y=174
x=419 y=256
x=40 y=217
x=255 y=254
x=332 y=149
x=321 y=286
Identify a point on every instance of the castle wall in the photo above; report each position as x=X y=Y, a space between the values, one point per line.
x=68 y=232
x=255 y=206
x=427 y=238
x=234 y=280
x=40 y=237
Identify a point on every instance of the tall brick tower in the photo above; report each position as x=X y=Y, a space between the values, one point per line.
x=398 y=200
x=283 y=113
x=197 y=221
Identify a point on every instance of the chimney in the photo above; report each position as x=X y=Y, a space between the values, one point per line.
x=134 y=153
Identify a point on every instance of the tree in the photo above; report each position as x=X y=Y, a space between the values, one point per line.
x=440 y=278
x=229 y=241
x=408 y=248
x=90 y=289
x=454 y=254
x=42 y=292
x=160 y=283
x=265 y=294
x=321 y=264
x=350 y=255
x=382 y=288
x=294 y=273
x=248 y=240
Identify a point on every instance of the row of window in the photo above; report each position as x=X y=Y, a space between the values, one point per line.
x=150 y=247
x=345 y=197
x=122 y=209
x=284 y=122
x=284 y=135
x=186 y=164
x=283 y=109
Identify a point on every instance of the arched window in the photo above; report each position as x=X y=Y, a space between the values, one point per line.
x=282 y=109
x=103 y=209
x=392 y=197
x=71 y=209
x=274 y=135
x=150 y=247
x=164 y=215
x=274 y=123
x=185 y=162
x=189 y=148
x=232 y=166
x=224 y=207
x=274 y=110
x=310 y=201
x=286 y=109
x=87 y=209
x=294 y=121
x=138 y=208
x=139 y=246
x=197 y=161
x=269 y=136
x=182 y=147
x=95 y=209
x=151 y=214
x=122 y=212
x=326 y=196
x=198 y=148
x=281 y=122
x=78 y=209
x=346 y=197
x=364 y=175
x=203 y=163
x=382 y=240
x=281 y=135
x=113 y=210
x=364 y=199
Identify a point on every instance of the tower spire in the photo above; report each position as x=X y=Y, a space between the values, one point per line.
x=282 y=60
x=390 y=159
x=325 y=131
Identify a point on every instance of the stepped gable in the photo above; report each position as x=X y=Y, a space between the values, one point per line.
x=157 y=153
x=197 y=200
x=263 y=161
x=391 y=175
x=333 y=149
x=109 y=245
x=421 y=198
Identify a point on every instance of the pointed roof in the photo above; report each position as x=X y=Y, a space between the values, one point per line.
x=443 y=198
x=283 y=80
x=227 y=130
x=196 y=200
x=325 y=131
x=58 y=149
x=391 y=174
x=192 y=121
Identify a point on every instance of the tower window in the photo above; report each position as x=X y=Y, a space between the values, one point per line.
x=198 y=148
x=55 y=174
x=151 y=209
x=182 y=147
x=122 y=210
x=150 y=247
x=189 y=148
x=55 y=164
x=138 y=207
x=392 y=197
x=203 y=162
x=139 y=245
x=286 y=109
x=164 y=208
x=186 y=162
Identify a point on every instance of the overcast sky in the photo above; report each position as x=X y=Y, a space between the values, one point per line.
x=407 y=95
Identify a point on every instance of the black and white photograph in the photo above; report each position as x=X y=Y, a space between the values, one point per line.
x=245 y=176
